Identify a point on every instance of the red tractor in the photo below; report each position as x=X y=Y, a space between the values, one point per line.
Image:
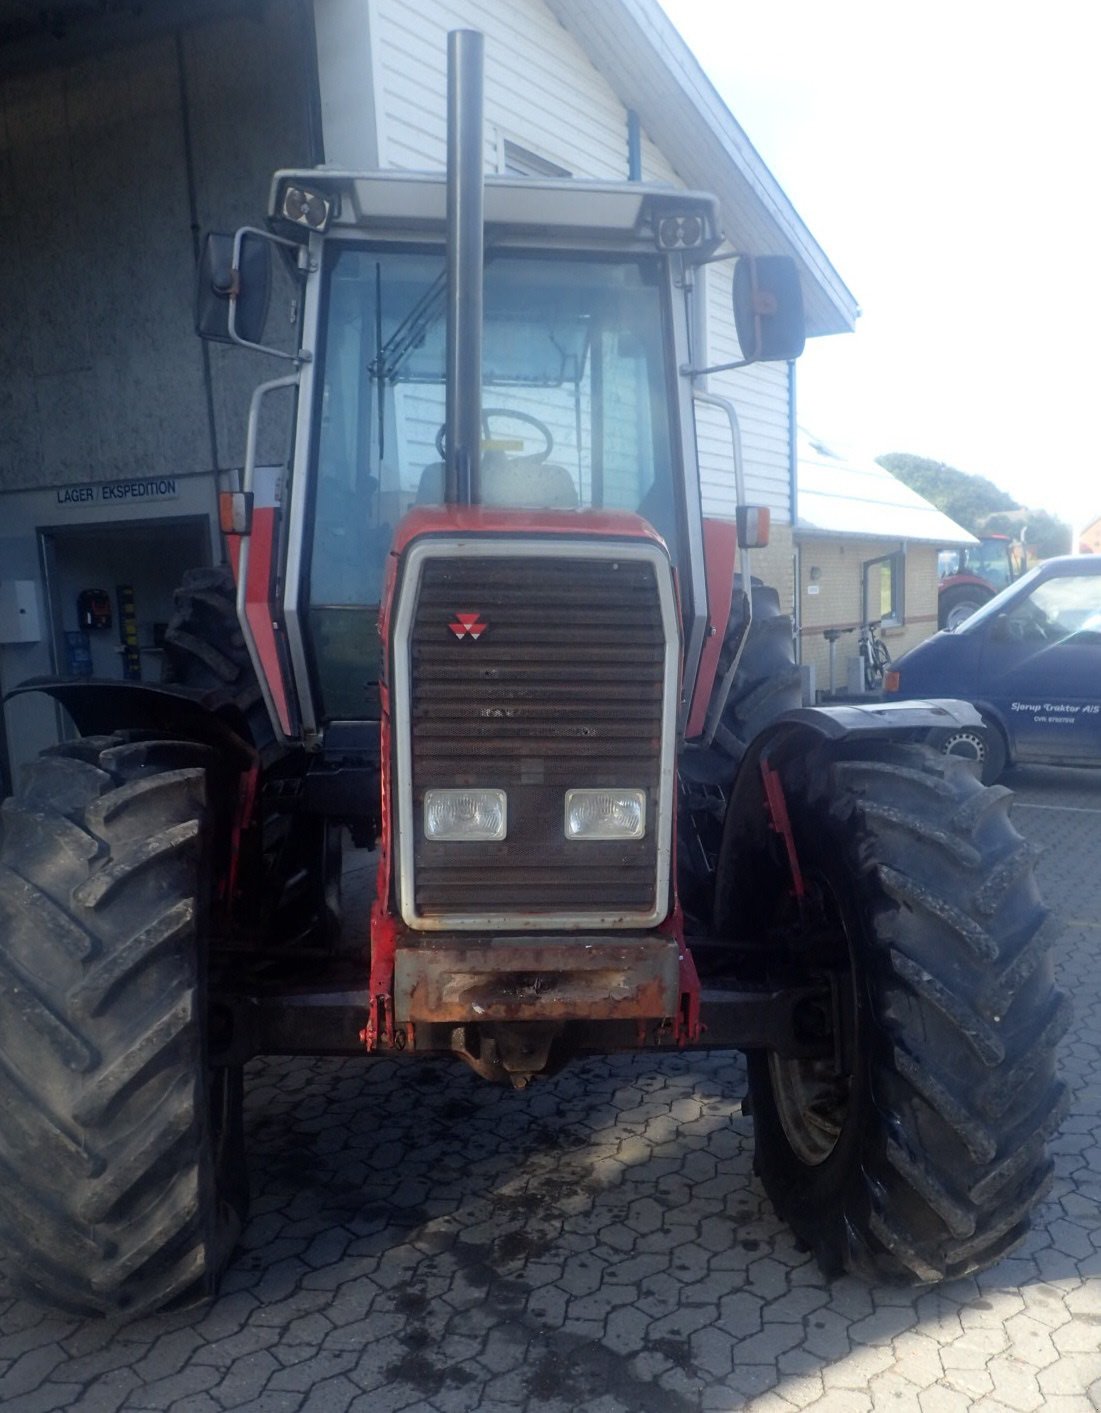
x=480 y=622
x=972 y=574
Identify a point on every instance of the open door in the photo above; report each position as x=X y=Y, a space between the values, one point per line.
x=110 y=590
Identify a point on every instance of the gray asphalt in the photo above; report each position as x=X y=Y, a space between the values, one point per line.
x=421 y=1240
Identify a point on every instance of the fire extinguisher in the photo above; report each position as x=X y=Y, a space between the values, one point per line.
x=93 y=608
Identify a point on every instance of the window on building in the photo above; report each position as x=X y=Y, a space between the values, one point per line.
x=517 y=161
x=884 y=584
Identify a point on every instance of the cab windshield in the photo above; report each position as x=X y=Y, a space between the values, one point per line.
x=575 y=416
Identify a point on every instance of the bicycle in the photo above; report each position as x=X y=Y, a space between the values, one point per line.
x=874 y=655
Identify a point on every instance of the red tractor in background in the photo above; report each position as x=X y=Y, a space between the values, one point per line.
x=971 y=575
x=479 y=621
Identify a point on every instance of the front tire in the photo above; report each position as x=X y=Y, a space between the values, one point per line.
x=955 y=606
x=921 y=1155
x=122 y=1184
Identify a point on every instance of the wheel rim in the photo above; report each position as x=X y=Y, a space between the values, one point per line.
x=813 y=1095
x=967 y=744
x=812 y=1101
x=959 y=613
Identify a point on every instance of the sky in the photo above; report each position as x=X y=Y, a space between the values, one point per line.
x=947 y=158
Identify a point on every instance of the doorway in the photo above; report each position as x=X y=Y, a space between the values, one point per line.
x=109 y=592
x=5 y=760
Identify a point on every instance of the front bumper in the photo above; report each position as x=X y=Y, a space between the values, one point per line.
x=579 y=977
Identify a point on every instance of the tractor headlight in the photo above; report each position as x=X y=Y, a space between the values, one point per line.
x=605 y=814
x=465 y=816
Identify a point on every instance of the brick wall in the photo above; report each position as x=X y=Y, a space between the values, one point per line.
x=831 y=599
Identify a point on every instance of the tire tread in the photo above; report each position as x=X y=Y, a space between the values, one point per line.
x=108 y=1194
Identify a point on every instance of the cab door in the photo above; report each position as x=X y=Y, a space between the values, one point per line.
x=1040 y=669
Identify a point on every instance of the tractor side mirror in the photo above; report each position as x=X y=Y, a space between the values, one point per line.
x=768 y=308
x=223 y=281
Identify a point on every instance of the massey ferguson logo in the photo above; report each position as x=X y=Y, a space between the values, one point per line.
x=468 y=625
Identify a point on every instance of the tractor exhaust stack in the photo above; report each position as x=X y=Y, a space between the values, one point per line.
x=465 y=248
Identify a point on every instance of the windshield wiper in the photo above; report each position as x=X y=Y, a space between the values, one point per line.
x=411 y=333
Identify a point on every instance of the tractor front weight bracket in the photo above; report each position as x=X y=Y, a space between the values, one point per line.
x=688 y=1028
x=379 y=1030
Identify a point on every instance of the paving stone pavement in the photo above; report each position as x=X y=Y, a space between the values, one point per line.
x=421 y=1240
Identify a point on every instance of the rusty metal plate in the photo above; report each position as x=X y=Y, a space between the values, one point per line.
x=518 y=978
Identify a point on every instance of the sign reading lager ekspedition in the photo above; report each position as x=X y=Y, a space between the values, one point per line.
x=117 y=493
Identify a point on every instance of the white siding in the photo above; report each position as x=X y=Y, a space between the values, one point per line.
x=541 y=89
x=761 y=397
x=542 y=92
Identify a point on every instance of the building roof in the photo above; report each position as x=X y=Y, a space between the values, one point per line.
x=640 y=53
x=862 y=500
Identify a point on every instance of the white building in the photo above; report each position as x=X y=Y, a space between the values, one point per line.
x=125 y=133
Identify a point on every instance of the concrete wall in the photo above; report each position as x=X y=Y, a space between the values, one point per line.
x=111 y=166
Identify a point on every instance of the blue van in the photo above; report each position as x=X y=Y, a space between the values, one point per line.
x=1030 y=661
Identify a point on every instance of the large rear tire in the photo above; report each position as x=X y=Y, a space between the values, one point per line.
x=291 y=866
x=122 y=1181
x=205 y=649
x=767 y=682
x=920 y=1154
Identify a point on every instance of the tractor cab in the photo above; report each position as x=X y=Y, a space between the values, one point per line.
x=579 y=412
x=587 y=300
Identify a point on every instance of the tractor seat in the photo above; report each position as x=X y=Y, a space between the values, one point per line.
x=513 y=482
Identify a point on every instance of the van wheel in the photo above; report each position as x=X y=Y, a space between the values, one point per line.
x=919 y=1154
x=122 y=1178
x=985 y=749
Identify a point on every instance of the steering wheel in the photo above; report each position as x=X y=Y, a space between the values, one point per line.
x=506 y=412
x=1027 y=630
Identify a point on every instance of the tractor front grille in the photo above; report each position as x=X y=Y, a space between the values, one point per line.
x=535 y=673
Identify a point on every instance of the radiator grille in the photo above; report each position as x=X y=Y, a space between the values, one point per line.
x=563 y=687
